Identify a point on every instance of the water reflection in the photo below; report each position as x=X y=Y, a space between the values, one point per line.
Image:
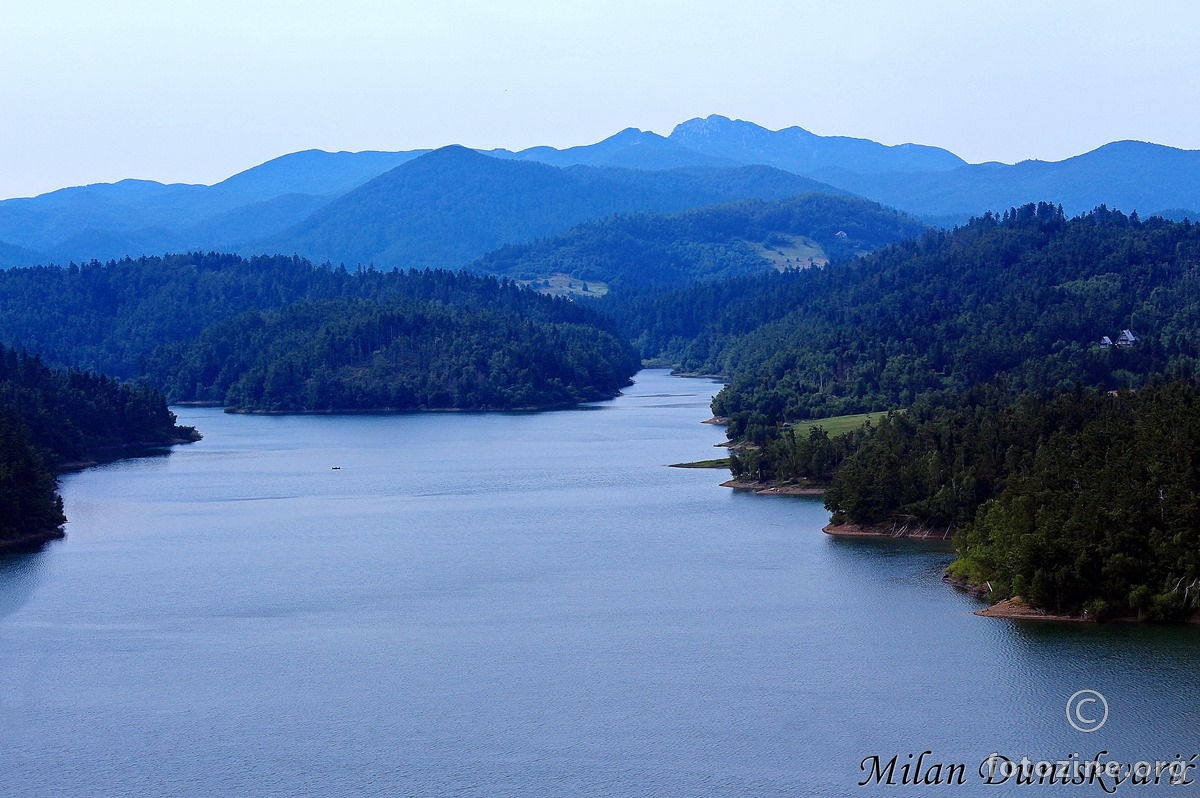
x=119 y=456
x=20 y=574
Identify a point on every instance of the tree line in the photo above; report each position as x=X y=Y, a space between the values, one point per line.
x=656 y=251
x=1067 y=469
x=1078 y=500
x=1027 y=294
x=399 y=355
x=49 y=417
x=280 y=333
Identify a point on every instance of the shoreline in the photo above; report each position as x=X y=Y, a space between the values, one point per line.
x=36 y=540
x=695 y=375
x=31 y=542
x=396 y=411
x=775 y=488
x=1016 y=609
x=107 y=454
x=391 y=411
x=894 y=530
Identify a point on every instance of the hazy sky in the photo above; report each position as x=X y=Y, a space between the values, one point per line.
x=182 y=91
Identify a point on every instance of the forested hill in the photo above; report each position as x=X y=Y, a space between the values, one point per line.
x=71 y=414
x=109 y=317
x=49 y=417
x=705 y=244
x=453 y=205
x=1028 y=295
x=1077 y=500
x=397 y=355
x=1066 y=468
x=283 y=334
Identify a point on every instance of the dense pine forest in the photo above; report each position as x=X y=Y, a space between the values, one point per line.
x=400 y=355
x=1028 y=295
x=278 y=333
x=30 y=509
x=50 y=417
x=1065 y=468
x=109 y=317
x=1079 y=501
x=707 y=244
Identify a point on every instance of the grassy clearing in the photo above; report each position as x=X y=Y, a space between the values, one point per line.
x=839 y=425
x=800 y=253
x=720 y=462
x=566 y=285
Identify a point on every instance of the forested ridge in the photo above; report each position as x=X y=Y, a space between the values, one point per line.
x=398 y=355
x=1079 y=501
x=279 y=333
x=1068 y=470
x=110 y=316
x=1027 y=295
x=705 y=244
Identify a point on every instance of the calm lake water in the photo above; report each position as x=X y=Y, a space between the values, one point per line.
x=520 y=605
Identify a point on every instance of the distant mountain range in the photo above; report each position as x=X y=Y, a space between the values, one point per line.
x=447 y=207
x=1124 y=175
x=452 y=205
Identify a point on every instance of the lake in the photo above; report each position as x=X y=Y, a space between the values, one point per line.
x=521 y=605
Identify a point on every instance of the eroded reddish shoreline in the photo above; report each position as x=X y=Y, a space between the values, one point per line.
x=890 y=529
x=775 y=488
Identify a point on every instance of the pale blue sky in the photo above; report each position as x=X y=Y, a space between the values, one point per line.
x=185 y=91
